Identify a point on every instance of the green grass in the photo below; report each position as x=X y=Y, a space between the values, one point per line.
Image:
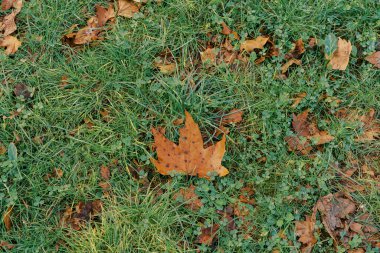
x=117 y=74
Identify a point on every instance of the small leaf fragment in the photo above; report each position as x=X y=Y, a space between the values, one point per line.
x=127 y=8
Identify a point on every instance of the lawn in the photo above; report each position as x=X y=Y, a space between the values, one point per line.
x=76 y=139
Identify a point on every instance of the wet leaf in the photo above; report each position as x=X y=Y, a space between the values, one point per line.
x=11 y=44
x=250 y=45
x=127 y=8
x=341 y=55
x=374 y=59
x=189 y=157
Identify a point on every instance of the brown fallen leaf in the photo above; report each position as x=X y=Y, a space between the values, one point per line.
x=297 y=51
x=209 y=55
x=374 y=59
x=208 y=235
x=305 y=231
x=57 y=173
x=189 y=197
x=189 y=157
x=165 y=62
x=298 y=99
x=250 y=45
x=88 y=33
x=7 y=218
x=234 y=116
x=103 y=14
x=313 y=42
x=83 y=212
x=3 y=149
x=105 y=172
x=341 y=56
x=227 y=31
x=11 y=44
x=285 y=67
x=6 y=245
x=371 y=127
x=307 y=134
x=64 y=82
x=21 y=90
x=247 y=195
x=178 y=121
x=127 y=8
x=8 y=25
x=6 y=4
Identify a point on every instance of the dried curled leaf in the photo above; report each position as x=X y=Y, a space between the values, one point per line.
x=209 y=55
x=189 y=157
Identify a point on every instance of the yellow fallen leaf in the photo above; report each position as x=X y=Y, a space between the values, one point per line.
x=11 y=44
x=341 y=56
x=250 y=45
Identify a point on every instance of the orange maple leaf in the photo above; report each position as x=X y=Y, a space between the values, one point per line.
x=189 y=157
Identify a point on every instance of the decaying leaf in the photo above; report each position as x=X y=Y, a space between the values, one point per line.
x=298 y=99
x=8 y=25
x=6 y=245
x=297 y=50
x=103 y=14
x=3 y=149
x=95 y=26
x=208 y=235
x=83 y=212
x=7 y=218
x=227 y=31
x=209 y=55
x=305 y=231
x=250 y=45
x=127 y=8
x=189 y=197
x=307 y=134
x=285 y=67
x=341 y=56
x=234 y=116
x=105 y=172
x=247 y=195
x=371 y=127
x=57 y=173
x=23 y=91
x=165 y=62
x=11 y=44
x=374 y=59
x=189 y=157
x=338 y=217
